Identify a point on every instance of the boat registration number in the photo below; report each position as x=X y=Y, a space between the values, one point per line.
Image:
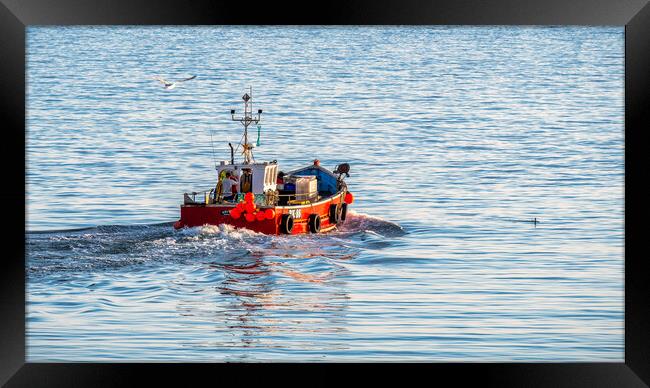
x=225 y=212
x=296 y=213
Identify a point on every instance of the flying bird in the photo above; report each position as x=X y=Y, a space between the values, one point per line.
x=172 y=85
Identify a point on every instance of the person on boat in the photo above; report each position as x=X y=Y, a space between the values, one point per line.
x=218 y=190
x=229 y=186
x=246 y=181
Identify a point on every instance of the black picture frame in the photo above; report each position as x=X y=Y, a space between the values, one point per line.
x=15 y=15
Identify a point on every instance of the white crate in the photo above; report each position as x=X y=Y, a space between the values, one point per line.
x=306 y=187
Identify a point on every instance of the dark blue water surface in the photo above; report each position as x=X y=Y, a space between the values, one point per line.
x=457 y=138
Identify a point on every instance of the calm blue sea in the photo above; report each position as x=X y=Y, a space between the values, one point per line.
x=457 y=138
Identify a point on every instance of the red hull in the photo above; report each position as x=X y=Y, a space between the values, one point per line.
x=200 y=214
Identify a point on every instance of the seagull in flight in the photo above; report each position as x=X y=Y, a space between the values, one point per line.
x=172 y=85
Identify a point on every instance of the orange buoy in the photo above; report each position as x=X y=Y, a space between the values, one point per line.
x=250 y=217
x=249 y=207
x=235 y=213
x=269 y=213
x=249 y=197
x=349 y=198
x=261 y=216
x=240 y=207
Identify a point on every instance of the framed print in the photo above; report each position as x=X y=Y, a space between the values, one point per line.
x=445 y=186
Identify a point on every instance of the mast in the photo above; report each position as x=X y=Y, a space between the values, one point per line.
x=247 y=120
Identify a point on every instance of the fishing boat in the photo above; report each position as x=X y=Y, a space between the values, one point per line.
x=259 y=197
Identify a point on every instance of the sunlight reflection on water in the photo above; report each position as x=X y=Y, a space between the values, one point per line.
x=457 y=137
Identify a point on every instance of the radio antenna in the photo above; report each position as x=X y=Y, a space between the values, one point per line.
x=247 y=120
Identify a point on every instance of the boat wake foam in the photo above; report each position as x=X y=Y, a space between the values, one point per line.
x=114 y=247
x=355 y=223
x=228 y=230
x=360 y=222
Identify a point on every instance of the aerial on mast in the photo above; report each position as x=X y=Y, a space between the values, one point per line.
x=247 y=120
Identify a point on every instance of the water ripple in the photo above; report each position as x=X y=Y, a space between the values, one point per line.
x=458 y=137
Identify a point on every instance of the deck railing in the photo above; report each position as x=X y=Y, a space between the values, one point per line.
x=263 y=199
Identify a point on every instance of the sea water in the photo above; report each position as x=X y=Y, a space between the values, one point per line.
x=457 y=137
